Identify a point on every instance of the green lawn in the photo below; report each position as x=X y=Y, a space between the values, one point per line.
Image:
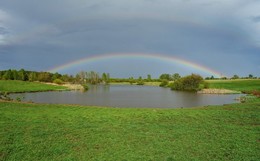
x=237 y=85
x=63 y=132
x=21 y=86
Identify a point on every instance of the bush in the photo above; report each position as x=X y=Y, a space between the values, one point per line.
x=188 y=83
x=177 y=85
x=85 y=86
x=206 y=85
x=58 y=81
x=164 y=83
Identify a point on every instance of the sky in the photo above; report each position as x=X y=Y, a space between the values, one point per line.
x=222 y=35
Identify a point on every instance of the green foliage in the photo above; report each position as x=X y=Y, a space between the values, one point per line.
x=23 y=76
x=164 y=83
x=56 y=76
x=31 y=76
x=176 y=76
x=85 y=86
x=92 y=77
x=18 y=99
x=235 y=77
x=58 y=81
x=188 y=83
x=166 y=76
x=149 y=78
x=131 y=80
x=140 y=81
x=177 y=85
x=106 y=78
x=70 y=132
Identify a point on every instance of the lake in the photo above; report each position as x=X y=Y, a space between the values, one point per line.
x=129 y=96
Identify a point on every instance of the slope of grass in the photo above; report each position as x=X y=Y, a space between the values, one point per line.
x=237 y=85
x=62 y=132
x=21 y=86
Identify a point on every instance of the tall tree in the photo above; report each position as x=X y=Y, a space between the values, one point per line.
x=15 y=75
x=176 y=76
x=165 y=76
x=8 y=75
x=92 y=77
x=104 y=77
x=32 y=76
x=22 y=75
x=149 y=77
x=235 y=77
x=82 y=75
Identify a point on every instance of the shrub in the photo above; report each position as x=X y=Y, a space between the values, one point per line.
x=58 y=81
x=85 y=86
x=164 y=83
x=188 y=83
x=177 y=85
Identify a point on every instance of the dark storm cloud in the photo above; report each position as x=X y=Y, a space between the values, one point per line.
x=62 y=31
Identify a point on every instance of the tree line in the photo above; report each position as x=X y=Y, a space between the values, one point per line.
x=93 y=77
x=250 y=76
x=25 y=75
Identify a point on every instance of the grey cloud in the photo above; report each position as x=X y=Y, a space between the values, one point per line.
x=3 y=31
x=195 y=30
x=256 y=19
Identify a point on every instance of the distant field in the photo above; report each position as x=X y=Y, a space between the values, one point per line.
x=21 y=86
x=62 y=132
x=237 y=85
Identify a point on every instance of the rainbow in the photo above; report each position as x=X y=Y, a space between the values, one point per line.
x=160 y=57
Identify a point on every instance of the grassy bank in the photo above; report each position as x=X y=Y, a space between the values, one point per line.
x=237 y=85
x=22 y=86
x=62 y=132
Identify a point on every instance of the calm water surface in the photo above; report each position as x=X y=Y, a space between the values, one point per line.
x=129 y=96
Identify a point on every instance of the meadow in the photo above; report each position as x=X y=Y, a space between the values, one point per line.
x=243 y=85
x=67 y=132
x=13 y=86
x=70 y=132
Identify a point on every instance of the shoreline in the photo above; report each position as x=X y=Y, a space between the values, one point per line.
x=218 y=91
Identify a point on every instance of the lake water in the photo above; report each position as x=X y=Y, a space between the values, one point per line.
x=129 y=96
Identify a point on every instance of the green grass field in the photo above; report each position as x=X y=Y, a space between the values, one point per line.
x=63 y=132
x=70 y=132
x=21 y=86
x=237 y=85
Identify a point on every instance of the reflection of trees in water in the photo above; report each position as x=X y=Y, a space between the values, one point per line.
x=106 y=88
x=96 y=88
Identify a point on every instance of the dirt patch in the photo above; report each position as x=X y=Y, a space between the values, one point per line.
x=218 y=91
x=69 y=86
